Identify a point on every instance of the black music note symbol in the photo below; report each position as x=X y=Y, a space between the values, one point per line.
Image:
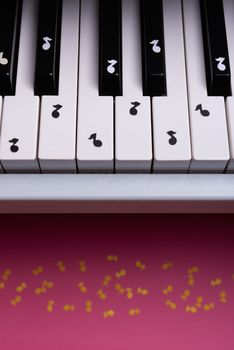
x=14 y=148
x=173 y=140
x=96 y=143
x=55 y=113
x=133 y=110
x=203 y=112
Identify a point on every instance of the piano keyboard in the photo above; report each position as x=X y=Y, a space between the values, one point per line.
x=125 y=102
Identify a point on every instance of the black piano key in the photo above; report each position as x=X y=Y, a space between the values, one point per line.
x=215 y=48
x=48 y=48
x=10 y=19
x=153 y=52
x=110 y=48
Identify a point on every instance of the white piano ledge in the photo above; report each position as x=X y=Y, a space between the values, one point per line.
x=94 y=193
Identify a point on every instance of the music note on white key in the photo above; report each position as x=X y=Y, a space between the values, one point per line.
x=47 y=45
x=156 y=48
x=111 y=66
x=221 y=66
x=3 y=60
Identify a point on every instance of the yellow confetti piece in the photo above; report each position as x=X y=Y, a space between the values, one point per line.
x=186 y=294
x=69 y=307
x=119 y=288
x=121 y=274
x=16 y=301
x=101 y=294
x=223 y=294
x=21 y=287
x=191 y=282
x=50 y=306
x=40 y=290
x=6 y=274
x=83 y=268
x=134 y=312
x=82 y=287
x=142 y=291
x=106 y=281
x=223 y=300
x=191 y=309
x=216 y=282
x=192 y=270
x=167 y=266
x=88 y=306
x=38 y=271
x=129 y=292
x=47 y=284
x=171 y=304
x=111 y=258
x=2 y=285
x=61 y=266
x=140 y=265
x=208 y=307
x=82 y=265
x=199 y=302
x=109 y=313
x=168 y=290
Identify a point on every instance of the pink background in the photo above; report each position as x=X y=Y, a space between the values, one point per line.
x=27 y=242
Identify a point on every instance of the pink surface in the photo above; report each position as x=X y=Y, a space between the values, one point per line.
x=187 y=241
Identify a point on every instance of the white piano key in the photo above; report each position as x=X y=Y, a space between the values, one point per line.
x=133 y=110
x=172 y=146
x=95 y=141
x=210 y=148
x=57 y=138
x=18 y=142
x=229 y=21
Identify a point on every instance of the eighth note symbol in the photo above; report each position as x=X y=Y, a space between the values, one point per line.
x=173 y=140
x=46 y=46
x=111 y=68
x=220 y=65
x=3 y=61
x=55 y=113
x=203 y=112
x=96 y=143
x=156 y=48
x=14 y=148
x=133 y=110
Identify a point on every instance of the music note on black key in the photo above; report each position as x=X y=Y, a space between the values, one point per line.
x=10 y=18
x=48 y=48
x=204 y=112
x=156 y=48
x=221 y=66
x=111 y=66
x=110 y=48
x=96 y=143
x=47 y=45
x=3 y=60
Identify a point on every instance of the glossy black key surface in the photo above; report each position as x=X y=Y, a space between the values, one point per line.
x=215 y=48
x=48 y=47
x=10 y=18
x=153 y=53
x=110 y=48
